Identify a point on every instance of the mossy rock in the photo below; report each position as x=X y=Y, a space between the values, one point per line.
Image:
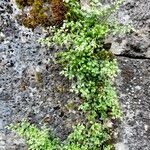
x=42 y=13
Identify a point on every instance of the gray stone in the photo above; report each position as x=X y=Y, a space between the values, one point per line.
x=147 y=54
x=1 y=124
x=2 y=136
x=24 y=95
x=2 y=143
x=2 y=36
x=121 y=146
x=137 y=43
x=133 y=84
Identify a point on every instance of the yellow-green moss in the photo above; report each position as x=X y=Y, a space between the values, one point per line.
x=105 y=55
x=37 y=16
x=45 y=15
x=23 y=3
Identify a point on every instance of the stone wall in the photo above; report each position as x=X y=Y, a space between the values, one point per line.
x=31 y=87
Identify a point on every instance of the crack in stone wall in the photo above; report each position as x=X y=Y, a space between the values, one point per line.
x=132 y=56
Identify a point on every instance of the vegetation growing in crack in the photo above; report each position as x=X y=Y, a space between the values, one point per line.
x=93 y=68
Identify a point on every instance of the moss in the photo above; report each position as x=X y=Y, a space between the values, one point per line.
x=58 y=12
x=105 y=55
x=59 y=89
x=22 y=86
x=38 y=77
x=37 y=16
x=23 y=3
x=39 y=13
x=70 y=106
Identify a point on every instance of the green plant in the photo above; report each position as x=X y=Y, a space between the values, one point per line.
x=92 y=138
x=93 y=69
x=85 y=59
x=36 y=139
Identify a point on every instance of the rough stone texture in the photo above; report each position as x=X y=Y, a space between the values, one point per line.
x=31 y=87
x=135 y=13
x=133 y=84
x=136 y=44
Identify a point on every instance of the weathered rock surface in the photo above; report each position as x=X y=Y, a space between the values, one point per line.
x=133 y=84
x=31 y=87
x=136 y=44
x=135 y=13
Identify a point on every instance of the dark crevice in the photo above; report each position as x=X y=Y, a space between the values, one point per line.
x=132 y=56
